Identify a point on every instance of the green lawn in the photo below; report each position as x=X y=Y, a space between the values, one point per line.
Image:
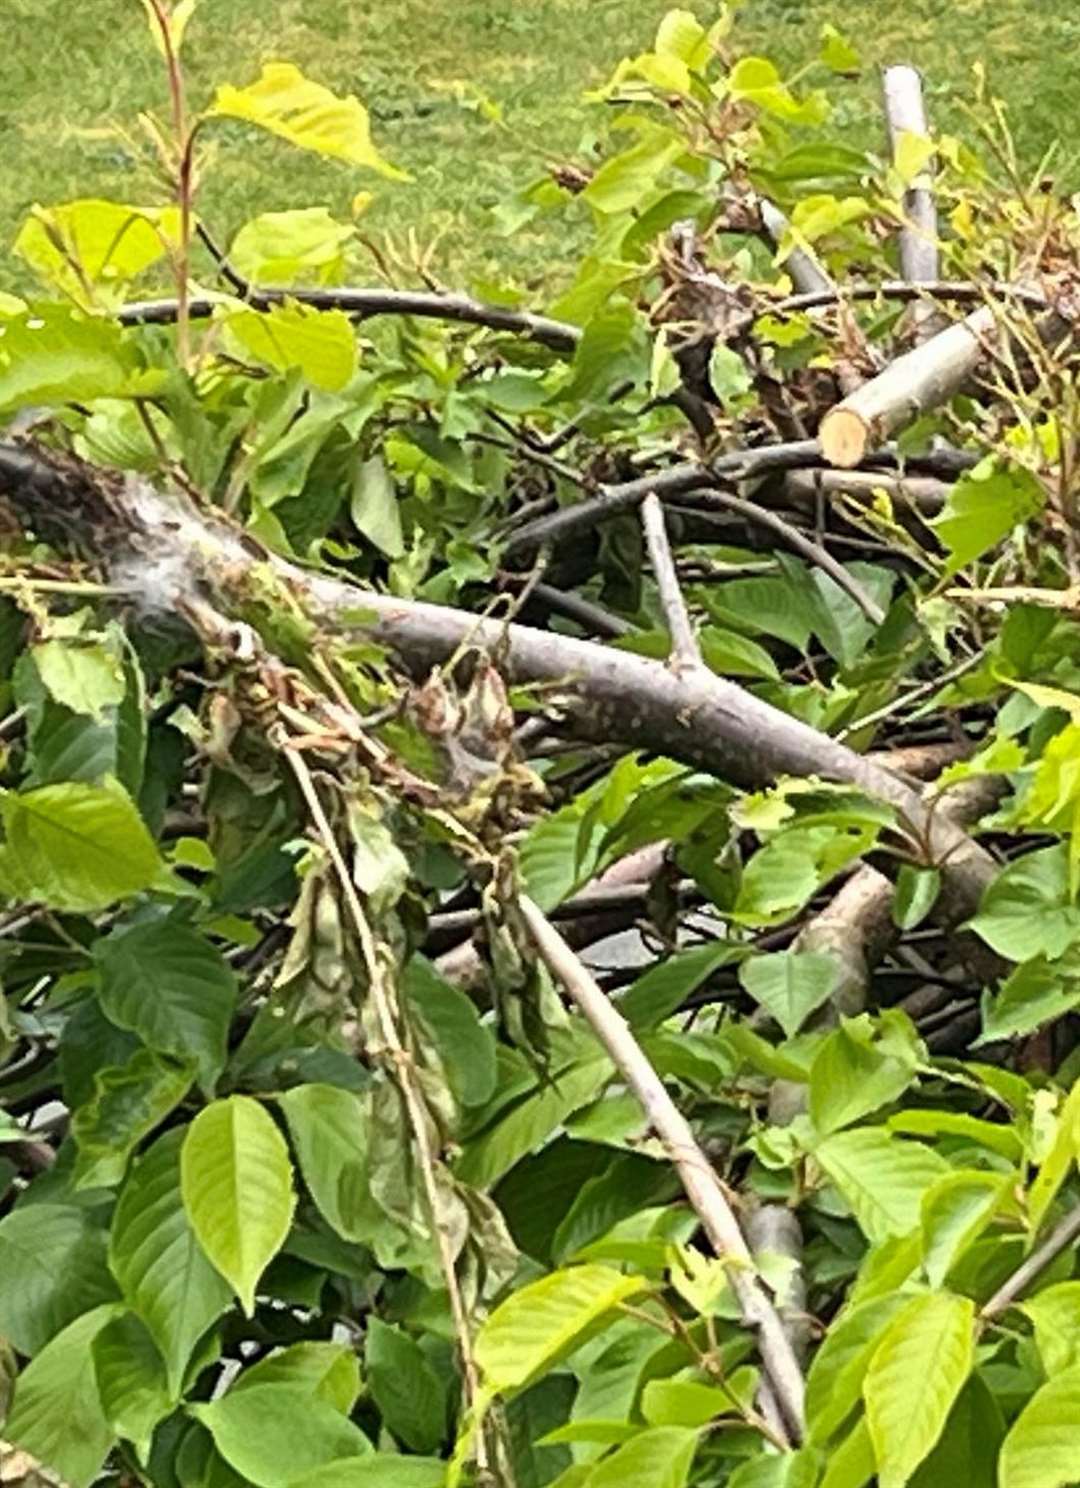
x=72 y=67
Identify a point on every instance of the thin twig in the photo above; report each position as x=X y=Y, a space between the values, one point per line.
x=959 y=291
x=684 y=646
x=703 y=1187
x=1063 y=1234
x=799 y=543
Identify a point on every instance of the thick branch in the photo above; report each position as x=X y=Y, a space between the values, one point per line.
x=699 y=1179
x=920 y=380
x=609 y=696
x=923 y=493
x=728 y=469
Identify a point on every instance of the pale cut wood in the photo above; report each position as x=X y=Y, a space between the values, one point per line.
x=920 y=380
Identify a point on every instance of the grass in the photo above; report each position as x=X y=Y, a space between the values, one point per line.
x=72 y=68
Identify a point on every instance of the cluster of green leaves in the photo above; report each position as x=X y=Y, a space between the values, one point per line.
x=232 y=1267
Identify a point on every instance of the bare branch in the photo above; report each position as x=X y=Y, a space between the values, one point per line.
x=924 y=493
x=366 y=303
x=731 y=468
x=799 y=543
x=959 y=291
x=1062 y=1235
x=702 y=1186
x=919 y=258
x=803 y=268
x=684 y=646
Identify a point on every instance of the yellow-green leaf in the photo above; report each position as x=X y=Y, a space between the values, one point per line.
x=236 y=1180
x=1058 y=1161
x=84 y=247
x=56 y=355
x=320 y=342
x=1040 y=1449
x=543 y=1322
x=286 y=103
x=298 y=247
x=78 y=847
x=918 y=1370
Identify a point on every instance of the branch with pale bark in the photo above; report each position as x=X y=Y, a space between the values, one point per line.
x=606 y=695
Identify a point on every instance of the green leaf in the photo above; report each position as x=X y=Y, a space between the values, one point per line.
x=57 y=1414
x=851 y=1464
x=1027 y=911
x=1055 y=1316
x=852 y=1075
x=993 y=1135
x=59 y=356
x=539 y=1325
x=729 y=376
x=659 y=1457
x=374 y=507
x=799 y=1469
x=970 y=1444
x=53 y=1265
x=983 y=507
x=78 y=847
x=624 y=180
x=662 y=990
x=161 y=1268
x=298 y=247
x=755 y=80
x=378 y=1471
x=321 y=343
x=1058 y=1160
x=286 y=103
x=465 y=1046
x=790 y=984
x=272 y=1434
x=834 y=1383
x=916 y=894
x=954 y=1213
x=166 y=983
x=918 y=1370
x=329 y=1370
x=1037 y=992
x=86 y=679
x=529 y=1124
x=1040 y=1449
x=329 y=1129
x=881 y=1177
x=128 y=1102
x=409 y=1394
x=91 y=242
x=131 y=1380
x=236 y=1180
x=837 y=53
x=684 y=1402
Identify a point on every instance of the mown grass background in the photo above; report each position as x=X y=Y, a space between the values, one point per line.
x=72 y=66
